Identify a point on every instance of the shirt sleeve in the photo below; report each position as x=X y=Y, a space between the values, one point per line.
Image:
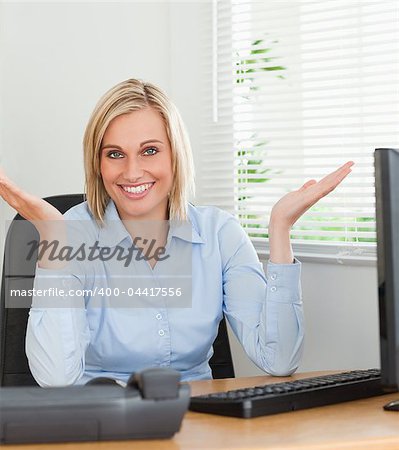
x=57 y=334
x=265 y=312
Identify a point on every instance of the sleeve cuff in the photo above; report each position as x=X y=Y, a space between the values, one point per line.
x=283 y=282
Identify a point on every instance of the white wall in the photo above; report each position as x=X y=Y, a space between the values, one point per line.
x=57 y=59
x=341 y=314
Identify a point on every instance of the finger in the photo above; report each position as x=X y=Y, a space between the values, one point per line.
x=4 y=180
x=8 y=187
x=307 y=184
x=8 y=190
x=326 y=185
x=13 y=195
x=343 y=173
x=345 y=166
x=344 y=169
x=331 y=181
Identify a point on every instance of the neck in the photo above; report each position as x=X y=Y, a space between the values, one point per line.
x=147 y=229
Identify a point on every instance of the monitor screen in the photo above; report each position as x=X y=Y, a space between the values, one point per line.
x=387 y=216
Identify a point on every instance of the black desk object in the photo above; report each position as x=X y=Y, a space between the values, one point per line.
x=291 y=395
x=91 y=413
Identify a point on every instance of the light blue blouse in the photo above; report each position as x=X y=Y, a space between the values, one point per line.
x=108 y=332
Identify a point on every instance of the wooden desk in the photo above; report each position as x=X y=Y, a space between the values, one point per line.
x=361 y=424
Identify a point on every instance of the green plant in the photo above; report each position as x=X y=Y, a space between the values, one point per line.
x=257 y=60
x=338 y=227
x=254 y=58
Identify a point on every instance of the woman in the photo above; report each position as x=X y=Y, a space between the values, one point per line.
x=139 y=175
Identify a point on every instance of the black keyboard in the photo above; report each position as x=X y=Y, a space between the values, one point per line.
x=291 y=395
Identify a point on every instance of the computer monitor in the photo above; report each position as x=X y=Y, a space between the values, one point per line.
x=387 y=215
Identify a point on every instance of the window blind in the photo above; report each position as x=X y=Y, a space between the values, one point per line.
x=295 y=89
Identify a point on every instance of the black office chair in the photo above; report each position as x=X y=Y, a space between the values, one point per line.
x=14 y=368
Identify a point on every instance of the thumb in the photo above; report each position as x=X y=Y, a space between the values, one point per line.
x=307 y=184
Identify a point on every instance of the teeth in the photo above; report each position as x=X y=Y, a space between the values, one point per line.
x=138 y=189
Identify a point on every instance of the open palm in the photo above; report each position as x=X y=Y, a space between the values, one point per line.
x=28 y=206
x=291 y=207
x=48 y=221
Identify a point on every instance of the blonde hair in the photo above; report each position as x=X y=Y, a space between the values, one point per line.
x=125 y=97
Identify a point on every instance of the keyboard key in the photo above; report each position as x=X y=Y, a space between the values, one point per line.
x=292 y=395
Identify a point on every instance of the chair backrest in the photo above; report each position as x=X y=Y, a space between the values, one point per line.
x=222 y=362
x=18 y=273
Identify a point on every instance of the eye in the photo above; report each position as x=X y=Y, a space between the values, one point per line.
x=150 y=151
x=114 y=154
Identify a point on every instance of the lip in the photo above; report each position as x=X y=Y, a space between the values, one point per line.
x=139 y=195
x=136 y=184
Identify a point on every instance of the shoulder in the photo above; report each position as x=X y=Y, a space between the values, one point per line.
x=81 y=223
x=222 y=231
x=208 y=216
x=79 y=212
x=211 y=221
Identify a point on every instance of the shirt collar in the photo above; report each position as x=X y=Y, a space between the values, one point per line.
x=185 y=231
x=113 y=231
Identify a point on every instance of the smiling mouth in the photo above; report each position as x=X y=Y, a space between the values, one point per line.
x=137 y=190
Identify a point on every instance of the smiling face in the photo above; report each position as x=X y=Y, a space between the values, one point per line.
x=136 y=165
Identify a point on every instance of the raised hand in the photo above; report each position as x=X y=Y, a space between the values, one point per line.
x=30 y=207
x=47 y=219
x=293 y=205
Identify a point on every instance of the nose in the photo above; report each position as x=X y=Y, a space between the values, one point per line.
x=133 y=170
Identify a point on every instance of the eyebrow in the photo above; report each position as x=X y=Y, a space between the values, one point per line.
x=141 y=144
